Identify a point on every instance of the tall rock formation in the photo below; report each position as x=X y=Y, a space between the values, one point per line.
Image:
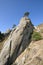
x=16 y=43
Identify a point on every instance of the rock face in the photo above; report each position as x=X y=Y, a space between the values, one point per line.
x=33 y=55
x=17 y=42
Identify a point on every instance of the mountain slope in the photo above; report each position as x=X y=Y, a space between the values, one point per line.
x=33 y=54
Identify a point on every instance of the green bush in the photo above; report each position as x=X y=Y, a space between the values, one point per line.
x=36 y=36
x=26 y=13
x=1 y=36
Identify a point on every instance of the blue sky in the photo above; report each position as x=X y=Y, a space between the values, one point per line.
x=11 y=12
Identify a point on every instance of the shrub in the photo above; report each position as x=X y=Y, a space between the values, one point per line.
x=1 y=36
x=36 y=36
x=13 y=26
x=26 y=13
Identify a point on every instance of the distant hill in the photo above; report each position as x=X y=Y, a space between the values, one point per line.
x=41 y=25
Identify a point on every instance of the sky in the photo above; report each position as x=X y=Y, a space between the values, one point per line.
x=11 y=11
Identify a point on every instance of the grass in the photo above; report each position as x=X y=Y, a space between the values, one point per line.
x=36 y=36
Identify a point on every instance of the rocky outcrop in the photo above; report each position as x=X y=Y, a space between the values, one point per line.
x=33 y=55
x=16 y=43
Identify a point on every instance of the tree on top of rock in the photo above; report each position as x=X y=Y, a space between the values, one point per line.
x=26 y=14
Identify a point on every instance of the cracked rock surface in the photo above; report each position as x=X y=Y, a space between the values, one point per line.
x=33 y=55
x=17 y=41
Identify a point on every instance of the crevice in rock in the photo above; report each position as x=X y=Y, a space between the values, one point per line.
x=17 y=49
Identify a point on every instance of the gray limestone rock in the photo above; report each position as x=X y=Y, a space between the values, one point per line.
x=17 y=42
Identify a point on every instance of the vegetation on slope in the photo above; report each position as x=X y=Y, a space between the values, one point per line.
x=36 y=36
x=1 y=36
